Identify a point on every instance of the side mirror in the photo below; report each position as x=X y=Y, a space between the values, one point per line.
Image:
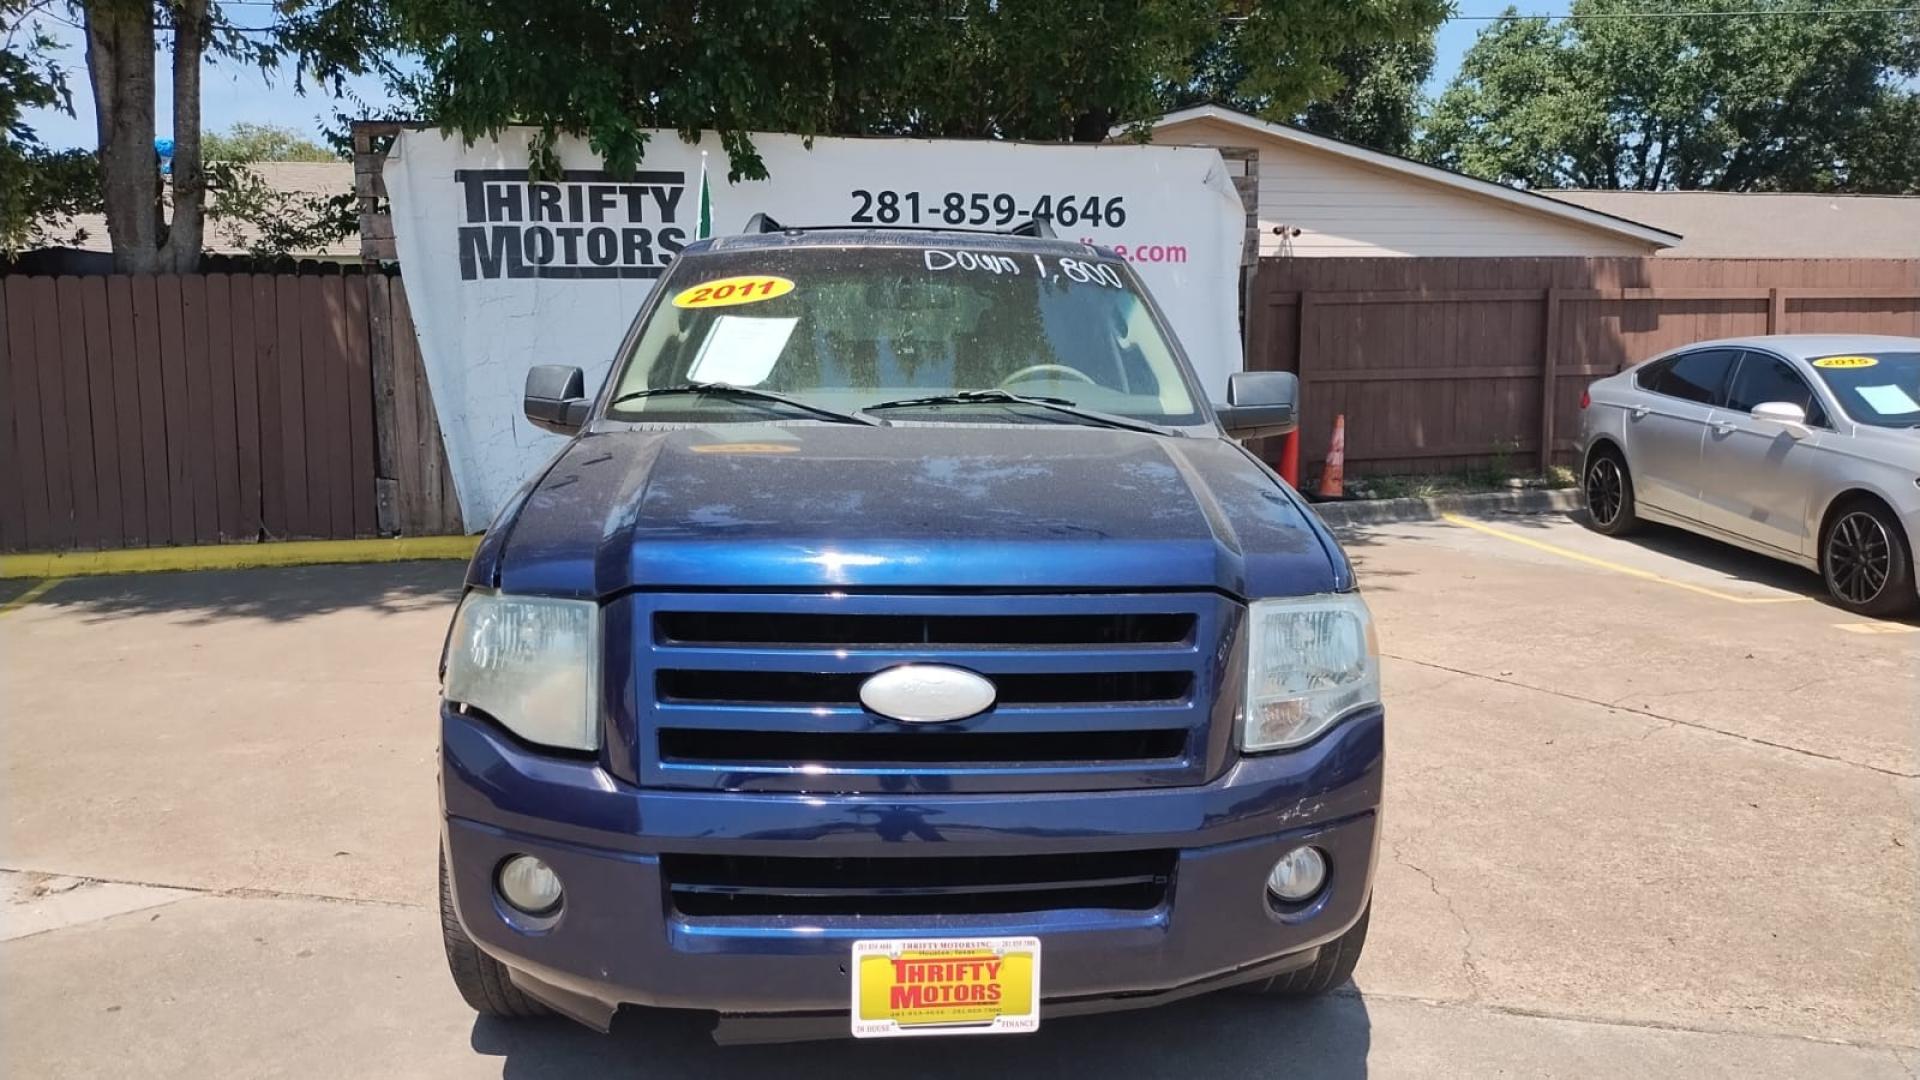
x=556 y=398
x=1260 y=403
x=1784 y=413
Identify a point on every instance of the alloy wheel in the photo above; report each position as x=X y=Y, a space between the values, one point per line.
x=1859 y=557
x=1605 y=488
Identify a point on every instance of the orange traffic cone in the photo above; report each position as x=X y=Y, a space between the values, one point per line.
x=1333 y=474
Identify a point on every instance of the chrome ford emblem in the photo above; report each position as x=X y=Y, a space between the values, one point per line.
x=926 y=693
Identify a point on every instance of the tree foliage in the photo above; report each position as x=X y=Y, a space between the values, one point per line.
x=262 y=142
x=39 y=187
x=1782 y=100
x=1059 y=71
x=1367 y=93
x=1379 y=100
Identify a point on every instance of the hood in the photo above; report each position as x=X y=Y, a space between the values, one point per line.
x=913 y=506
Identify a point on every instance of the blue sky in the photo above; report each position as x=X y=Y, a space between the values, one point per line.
x=231 y=94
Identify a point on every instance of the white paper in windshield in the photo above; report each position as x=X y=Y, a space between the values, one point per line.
x=741 y=349
x=1888 y=400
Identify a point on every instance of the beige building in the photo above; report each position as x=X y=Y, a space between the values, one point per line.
x=1323 y=197
x=88 y=232
x=1769 y=225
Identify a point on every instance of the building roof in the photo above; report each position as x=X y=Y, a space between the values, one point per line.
x=1518 y=199
x=223 y=237
x=1767 y=225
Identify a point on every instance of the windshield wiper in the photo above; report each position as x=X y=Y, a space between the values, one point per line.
x=1007 y=397
x=748 y=393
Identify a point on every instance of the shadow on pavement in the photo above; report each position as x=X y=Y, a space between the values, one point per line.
x=1220 y=1035
x=280 y=594
x=1701 y=551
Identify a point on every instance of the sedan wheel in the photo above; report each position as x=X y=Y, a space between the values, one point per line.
x=1866 y=562
x=1609 y=493
x=1859 y=558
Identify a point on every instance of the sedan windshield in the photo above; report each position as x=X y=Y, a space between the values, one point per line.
x=918 y=329
x=1878 y=388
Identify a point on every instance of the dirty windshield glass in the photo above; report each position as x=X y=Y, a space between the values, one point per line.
x=1880 y=388
x=849 y=328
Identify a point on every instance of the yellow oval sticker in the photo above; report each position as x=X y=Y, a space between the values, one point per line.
x=1845 y=362
x=726 y=292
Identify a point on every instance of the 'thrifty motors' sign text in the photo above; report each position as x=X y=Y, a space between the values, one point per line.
x=588 y=224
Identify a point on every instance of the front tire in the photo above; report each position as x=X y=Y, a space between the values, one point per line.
x=481 y=979
x=1866 y=562
x=1609 y=490
x=1333 y=967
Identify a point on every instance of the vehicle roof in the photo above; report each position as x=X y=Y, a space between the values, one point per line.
x=973 y=240
x=1807 y=346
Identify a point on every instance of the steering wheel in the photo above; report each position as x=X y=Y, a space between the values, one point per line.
x=1032 y=370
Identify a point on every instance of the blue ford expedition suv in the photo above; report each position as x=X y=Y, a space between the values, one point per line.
x=903 y=645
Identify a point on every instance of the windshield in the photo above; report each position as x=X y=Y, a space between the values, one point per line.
x=849 y=328
x=1878 y=388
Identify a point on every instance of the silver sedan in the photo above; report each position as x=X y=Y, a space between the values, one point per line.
x=1805 y=447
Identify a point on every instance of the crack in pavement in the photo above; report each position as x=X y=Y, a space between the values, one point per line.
x=235 y=893
x=1651 y=715
x=1476 y=979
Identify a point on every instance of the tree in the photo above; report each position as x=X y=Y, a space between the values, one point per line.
x=262 y=142
x=1067 y=70
x=39 y=187
x=1764 y=96
x=1379 y=100
x=319 y=40
x=1367 y=93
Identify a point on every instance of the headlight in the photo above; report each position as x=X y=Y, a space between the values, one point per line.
x=1310 y=661
x=531 y=663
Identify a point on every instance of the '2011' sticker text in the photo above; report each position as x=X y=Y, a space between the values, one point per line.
x=726 y=292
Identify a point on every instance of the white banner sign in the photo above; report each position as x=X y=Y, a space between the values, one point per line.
x=502 y=274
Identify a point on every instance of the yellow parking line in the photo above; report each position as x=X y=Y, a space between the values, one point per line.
x=1618 y=568
x=32 y=594
x=236 y=556
x=1876 y=628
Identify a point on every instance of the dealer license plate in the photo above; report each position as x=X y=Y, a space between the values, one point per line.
x=945 y=986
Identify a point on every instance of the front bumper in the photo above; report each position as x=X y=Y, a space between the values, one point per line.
x=619 y=941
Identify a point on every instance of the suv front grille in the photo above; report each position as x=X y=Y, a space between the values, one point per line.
x=805 y=688
x=913 y=631
x=821 y=748
x=761 y=692
x=743 y=885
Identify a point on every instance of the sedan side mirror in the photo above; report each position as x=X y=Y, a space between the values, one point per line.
x=556 y=398
x=1260 y=403
x=1784 y=413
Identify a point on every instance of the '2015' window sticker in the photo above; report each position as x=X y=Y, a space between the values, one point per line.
x=728 y=291
x=1845 y=362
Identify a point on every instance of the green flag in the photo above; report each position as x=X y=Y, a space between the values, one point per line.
x=706 y=202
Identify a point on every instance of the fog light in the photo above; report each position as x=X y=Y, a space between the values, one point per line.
x=1298 y=875
x=529 y=885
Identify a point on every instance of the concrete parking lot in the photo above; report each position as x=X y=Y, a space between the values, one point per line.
x=1651 y=811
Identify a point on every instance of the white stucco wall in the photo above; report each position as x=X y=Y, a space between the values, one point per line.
x=1348 y=208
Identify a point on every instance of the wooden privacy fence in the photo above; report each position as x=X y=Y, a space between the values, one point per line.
x=146 y=411
x=1439 y=364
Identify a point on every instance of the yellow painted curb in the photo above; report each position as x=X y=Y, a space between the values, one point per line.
x=236 y=556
